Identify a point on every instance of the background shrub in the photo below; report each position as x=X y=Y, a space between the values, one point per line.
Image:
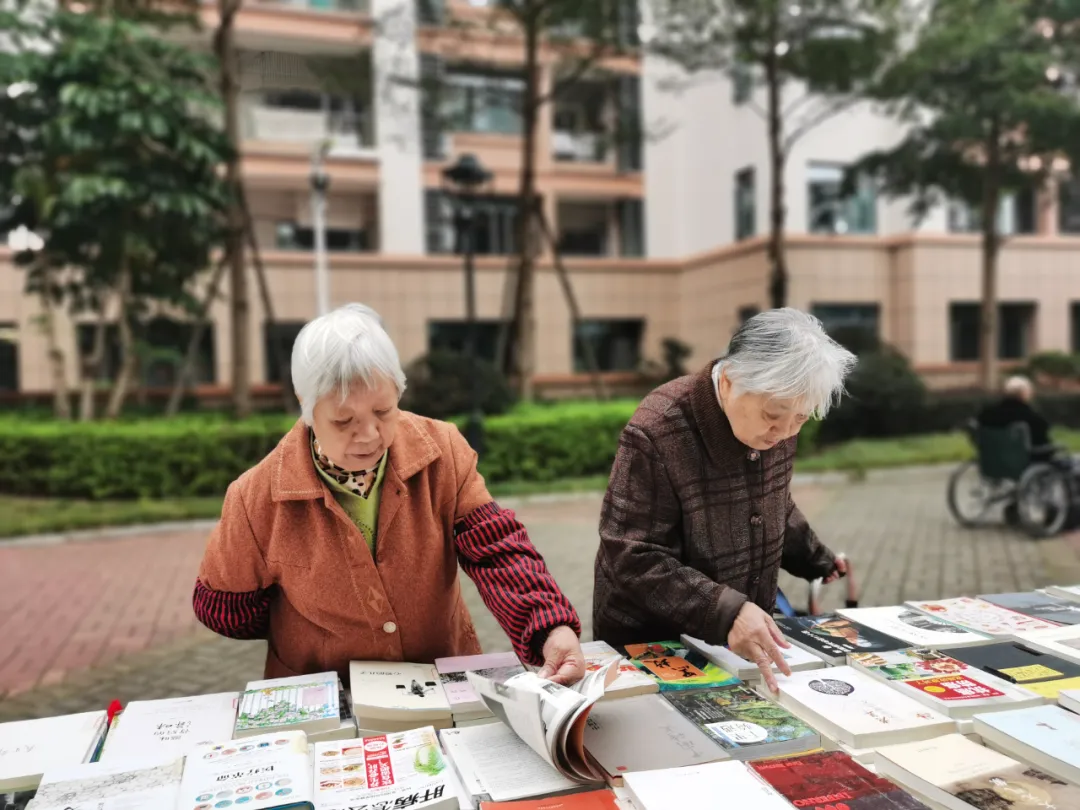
x=440 y=386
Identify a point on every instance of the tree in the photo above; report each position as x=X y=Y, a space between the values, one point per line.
x=987 y=114
x=110 y=156
x=814 y=58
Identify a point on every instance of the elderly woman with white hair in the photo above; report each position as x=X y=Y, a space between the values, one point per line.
x=344 y=542
x=698 y=518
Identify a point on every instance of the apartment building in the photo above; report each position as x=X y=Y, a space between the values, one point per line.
x=663 y=236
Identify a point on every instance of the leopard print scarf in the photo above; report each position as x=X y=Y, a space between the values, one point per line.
x=358 y=482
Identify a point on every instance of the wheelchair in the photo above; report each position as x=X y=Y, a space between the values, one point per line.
x=1037 y=487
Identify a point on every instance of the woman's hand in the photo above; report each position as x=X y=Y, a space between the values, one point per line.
x=755 y=637
x=839 y=570
x=564 y=662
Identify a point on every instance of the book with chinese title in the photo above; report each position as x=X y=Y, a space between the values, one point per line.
x=833 y=779
x=673 y=665
x=398 y=696
x=169 y=728
x=308 y=703
x=980 y=616
x=1046 y=736
x=944 y=683
x=263 y=772
x=1037 y=672
x=831 y=637
x=466 y=707
x=717 y=784
x=914 y=627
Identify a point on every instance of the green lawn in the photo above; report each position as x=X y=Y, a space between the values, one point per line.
x=20 y=516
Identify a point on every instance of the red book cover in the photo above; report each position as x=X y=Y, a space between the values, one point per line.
x=593 y=800
x=833 y=781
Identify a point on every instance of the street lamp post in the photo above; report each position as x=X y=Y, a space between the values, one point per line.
x=320 y=182
x=462 y=181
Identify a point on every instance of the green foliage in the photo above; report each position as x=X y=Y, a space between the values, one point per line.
x=1057 y=366
x=441 y=384
x=885 y=398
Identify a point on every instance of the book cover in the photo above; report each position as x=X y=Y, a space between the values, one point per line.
x=717 y=784
x=1038 y=606
x=795 y=657
x=1043 y=674
x=99 y=785
x=954 y=766
x=1050 y=730
x=394 y=691
x=913 y=627
x=170 y=728
x=630 y=681
x=981 y=616
x=1069 y=592
x=833 y=779
x=256 y=773
x=1063 y=642
x=743 y=723
x=592 y=800
x=30 y=747
x=834 y=636
x=675 y=666
x=308 y=702
x=459 y=692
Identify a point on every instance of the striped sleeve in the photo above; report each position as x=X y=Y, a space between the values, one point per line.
x=233 y=615
x=495 y=551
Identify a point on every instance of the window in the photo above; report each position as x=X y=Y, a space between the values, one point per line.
x=284 y=334
x=494 y=224
x=742 y=83
x=1075 y=326
x=290 y=236
x=616 y=344
x=1016 y=215
x=9 y=357
x=450 y=336
x=829 y=212
x=745 y=204
x=1016 y=323
x=746 y=313
x=854 y=326
x=591 y=242
x=161 y=345
x=1069 y=206
x=631 y=214
x=475 y=102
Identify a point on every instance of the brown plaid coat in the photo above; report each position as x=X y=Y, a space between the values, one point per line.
x=694 y=523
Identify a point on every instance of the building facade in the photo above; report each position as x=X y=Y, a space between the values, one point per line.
x=663 y=235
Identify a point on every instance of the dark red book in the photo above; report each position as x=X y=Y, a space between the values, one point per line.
x=833 y=781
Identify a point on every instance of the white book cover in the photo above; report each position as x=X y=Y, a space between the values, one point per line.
x=943 y=683
x=102 y=786
x=459 y=692
x=1070 y=592
x=461 y=761
x=914 y=627
x=28 y=748
x=959 y=773
x=401 y=769
x=980 y=616
x=700 y=786
x=1063 y=642
x=302 y=702
x=1070 y=699
x=163 y=729
x=1047 y=736
x=629 y=682
x=858 y=710
x=797 y=659
x=255 y=773
x=394 y=691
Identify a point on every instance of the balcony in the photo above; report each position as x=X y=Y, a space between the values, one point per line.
x=274 y=125
x=579 y=147
x=341 y=6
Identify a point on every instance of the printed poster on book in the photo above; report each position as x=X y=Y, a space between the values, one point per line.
x=954 y=687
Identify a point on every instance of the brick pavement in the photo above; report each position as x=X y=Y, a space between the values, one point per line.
x=894 y=526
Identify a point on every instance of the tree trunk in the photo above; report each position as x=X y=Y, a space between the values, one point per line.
x=778 y=275
x=991 y=244
x=57 y=370
x=187 y=368
x=91 y=369
x=225 y=48
x=128 y=360
x=525 y=304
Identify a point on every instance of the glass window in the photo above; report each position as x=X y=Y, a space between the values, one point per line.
x=1017 y=214
x=1069 y=206
x=291 y=236
x=450 y=336
x=9 y=357
x=829 y=212
x=616 y=344
x=285 y=334
x=1016 y=323
x=1075 y=318
x=483 y=103
x=85 y=334
x=745 y=203
x=165 y=345
x=854 y=326
x=742 y=83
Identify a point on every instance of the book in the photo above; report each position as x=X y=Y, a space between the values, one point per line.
x=1070 y=699
x=28 y=748
x=645 y=733
x=980 y=616
x=495 y=764
x=831 y=637
x=1038 y=606
x=346 y=730
x=744 y=724
x=1048 y=737
x=1063 y=642
x=307 y=703
x=673 y=665
x=959 y=774
x=854 y=709
x=913 y=627
x=592 y=800
x=400 y=769
x=943 y=683
x=630 y=681
x=465 y=704
x=1069 y=592
x=112 y=785
x=262 y=772
x=164 y=729
x=833 y=779
x=395 y=696
x=548 y=717
x=701 y=786
x=797 y=659
x=1037 y=672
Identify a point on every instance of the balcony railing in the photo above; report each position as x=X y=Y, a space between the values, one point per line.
x=309 y=127
x=579 y=147
x=341 y=6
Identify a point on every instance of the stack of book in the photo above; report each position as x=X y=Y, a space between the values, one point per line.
x=391 y=696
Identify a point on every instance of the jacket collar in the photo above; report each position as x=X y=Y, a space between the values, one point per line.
x=712 y=422
x=296 y=479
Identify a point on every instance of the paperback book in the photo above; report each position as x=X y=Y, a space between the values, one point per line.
x=980 y=616
x=1045 y=675
x=832 y=637
x=796 y=658
x=164 y=729
x=701 y=786
x=1046 y=736
x=307 y=703
x=396 y=696
x=1038 y=606
x=673 y=666
x=1063 y=642
x=914 y=628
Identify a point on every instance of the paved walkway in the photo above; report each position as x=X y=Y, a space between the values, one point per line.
x=110 y=619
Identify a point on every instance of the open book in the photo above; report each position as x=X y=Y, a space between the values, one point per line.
x=548 y=717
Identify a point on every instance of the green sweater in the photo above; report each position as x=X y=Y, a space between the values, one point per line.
x=363 y=511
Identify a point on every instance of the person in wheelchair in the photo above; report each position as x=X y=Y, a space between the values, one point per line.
x=1015 y=408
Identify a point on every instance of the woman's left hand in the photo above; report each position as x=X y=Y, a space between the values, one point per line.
x=564 y=663
x=839 y=570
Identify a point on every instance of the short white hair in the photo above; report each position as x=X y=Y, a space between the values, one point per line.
x=787 y=354
x=340 y=349
x=1018 y=386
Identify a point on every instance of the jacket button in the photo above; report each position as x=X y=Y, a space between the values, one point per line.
x=753 y=455
x=755 y=520
x=389 y=627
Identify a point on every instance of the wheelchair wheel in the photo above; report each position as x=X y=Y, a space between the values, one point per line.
x=1044 y=500
x=970 y=495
